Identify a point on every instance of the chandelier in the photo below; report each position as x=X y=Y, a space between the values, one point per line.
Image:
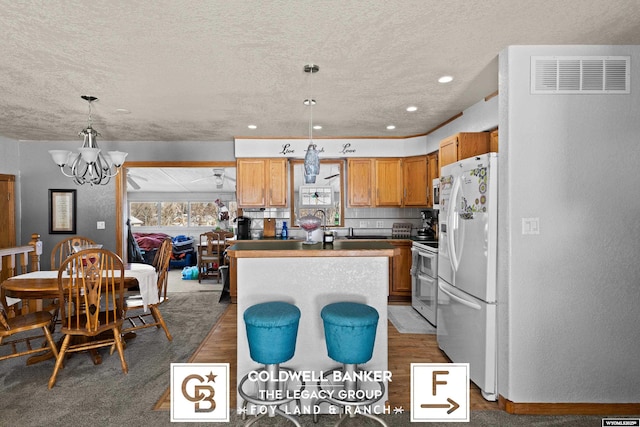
x=89 y=165
x=311 y=159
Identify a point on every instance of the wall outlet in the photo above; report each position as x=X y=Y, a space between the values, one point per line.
x=363 y=224
x=100 y=225
x=379 y=224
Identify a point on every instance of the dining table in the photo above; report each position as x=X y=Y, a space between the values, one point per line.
x=35 y=286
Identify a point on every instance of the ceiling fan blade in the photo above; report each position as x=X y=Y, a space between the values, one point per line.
x=201 y=179
x=332 y=176
x=133 y=183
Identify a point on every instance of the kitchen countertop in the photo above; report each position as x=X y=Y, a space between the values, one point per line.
x=295 y=248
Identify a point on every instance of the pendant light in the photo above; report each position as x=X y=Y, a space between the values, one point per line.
x=311 y=159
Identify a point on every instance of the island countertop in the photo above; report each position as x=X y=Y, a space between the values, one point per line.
x=289 y=248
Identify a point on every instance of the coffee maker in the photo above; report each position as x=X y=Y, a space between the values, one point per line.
x=244 y=227
x=429 y=225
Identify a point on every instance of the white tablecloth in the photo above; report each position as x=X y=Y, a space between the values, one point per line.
x=144 y=273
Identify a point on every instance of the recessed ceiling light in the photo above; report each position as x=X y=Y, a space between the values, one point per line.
x=317 y=127
x=412 y=108
x=391 y=127
x=445 y=79
x=252 y=127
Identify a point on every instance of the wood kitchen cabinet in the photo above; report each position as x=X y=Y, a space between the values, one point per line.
x=261 y=183
x=462 y=146
x=400 y=274
x=416 y=181
x=389 y=184
x=360 y=173
x=493 y=141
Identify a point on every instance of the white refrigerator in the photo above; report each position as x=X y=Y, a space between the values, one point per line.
x=467 y=299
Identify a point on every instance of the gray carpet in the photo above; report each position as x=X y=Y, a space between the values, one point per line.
x=408 y=321
x=103 y=395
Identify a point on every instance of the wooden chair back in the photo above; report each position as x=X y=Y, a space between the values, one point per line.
x=64 y=248
x=163 y=257
x=92 y=296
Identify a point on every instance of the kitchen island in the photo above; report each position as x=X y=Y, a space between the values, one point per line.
x=310 y=277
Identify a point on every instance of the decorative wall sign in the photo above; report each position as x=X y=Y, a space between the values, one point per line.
x=62 y=211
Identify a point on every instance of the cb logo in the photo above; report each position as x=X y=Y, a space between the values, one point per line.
x=199 y=392
x=202 y=393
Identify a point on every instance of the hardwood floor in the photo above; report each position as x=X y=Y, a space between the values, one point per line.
x=220 y=346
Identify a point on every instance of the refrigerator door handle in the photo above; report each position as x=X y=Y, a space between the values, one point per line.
x=462 y=301
x=450 y=221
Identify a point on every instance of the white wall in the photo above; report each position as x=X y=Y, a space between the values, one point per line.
x=569 y=311
x=480 y=117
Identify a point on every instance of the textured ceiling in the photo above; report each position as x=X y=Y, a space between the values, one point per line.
x=204 y=70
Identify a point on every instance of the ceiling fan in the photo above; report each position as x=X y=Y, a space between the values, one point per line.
x=331 y=177
x=219 y=176
x=131 y=180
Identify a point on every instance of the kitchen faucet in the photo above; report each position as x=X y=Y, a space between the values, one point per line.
x=324 y=219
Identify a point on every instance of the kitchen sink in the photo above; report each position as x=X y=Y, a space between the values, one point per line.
x=364 y=236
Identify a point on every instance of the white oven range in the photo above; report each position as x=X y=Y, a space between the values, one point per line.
x=424 y=278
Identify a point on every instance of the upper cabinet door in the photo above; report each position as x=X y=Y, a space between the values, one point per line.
x=462 y=146
x=359 y=182
x=389 y=183
x=262 y=183
x=416 y=182
x=277 y=182
x=251 y=182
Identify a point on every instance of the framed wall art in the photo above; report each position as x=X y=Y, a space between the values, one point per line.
x=62 y=211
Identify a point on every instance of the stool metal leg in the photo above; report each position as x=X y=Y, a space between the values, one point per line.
x=350 y=386
x=271 y=387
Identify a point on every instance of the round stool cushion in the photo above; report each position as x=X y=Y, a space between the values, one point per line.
x=350 y=331
x=272 y=329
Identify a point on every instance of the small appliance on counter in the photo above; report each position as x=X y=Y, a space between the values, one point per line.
x=401 y=230
x=244 y=227
x=429 y=224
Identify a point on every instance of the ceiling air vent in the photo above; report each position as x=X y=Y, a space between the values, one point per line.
x=580 y=74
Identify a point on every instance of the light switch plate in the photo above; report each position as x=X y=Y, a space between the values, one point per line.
x=530 y=225
x=100 y=225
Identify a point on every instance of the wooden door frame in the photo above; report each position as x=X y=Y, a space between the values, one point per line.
x=121 y=191
x=10 y=227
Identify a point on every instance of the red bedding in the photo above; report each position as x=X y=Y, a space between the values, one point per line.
x=148 y=241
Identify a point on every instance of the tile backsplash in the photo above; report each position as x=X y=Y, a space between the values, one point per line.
x=362 y=220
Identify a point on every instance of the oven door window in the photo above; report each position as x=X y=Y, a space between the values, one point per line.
x=427 y=263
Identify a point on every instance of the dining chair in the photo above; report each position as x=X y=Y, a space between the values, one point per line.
x=64 y=248
x=23 y=324
x=210 y=252
x=134 y=302
x=91 y=295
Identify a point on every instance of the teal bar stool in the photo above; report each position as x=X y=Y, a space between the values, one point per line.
x=350 y=334
x=272 y=329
